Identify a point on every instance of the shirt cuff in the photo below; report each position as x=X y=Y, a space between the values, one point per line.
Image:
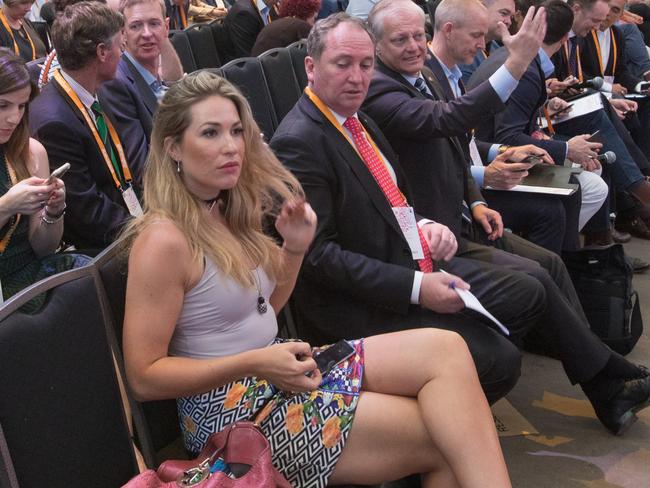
x=566 y=152
x=492 y=152
x=478 y=172
x=477 y=203
x=415 y=291
x=503 y=83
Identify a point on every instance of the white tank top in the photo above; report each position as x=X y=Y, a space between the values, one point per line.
x=220 y=317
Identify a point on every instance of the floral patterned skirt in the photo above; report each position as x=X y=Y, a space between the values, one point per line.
x=306 y=433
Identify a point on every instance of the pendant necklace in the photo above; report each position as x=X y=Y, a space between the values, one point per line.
x=261 y=302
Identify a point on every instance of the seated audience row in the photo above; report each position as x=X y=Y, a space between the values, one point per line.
x=392 y=153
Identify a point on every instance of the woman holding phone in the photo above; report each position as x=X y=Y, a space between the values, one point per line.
x=31 y=204
x=205 y=283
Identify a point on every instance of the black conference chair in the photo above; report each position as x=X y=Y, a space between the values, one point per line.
x=247 y=75
x=432 y=5
x=182 y=47
x=43 y=32
x=34 y=69
x=60 y=405
x=298 y=51
x=203 y=47
x=156 y=422
x=281 y=80
x=221 y=40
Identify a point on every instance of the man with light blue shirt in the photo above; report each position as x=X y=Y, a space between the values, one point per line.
x=146 y=66
x=360 y=8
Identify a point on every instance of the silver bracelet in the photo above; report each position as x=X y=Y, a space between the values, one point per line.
x=51 y=220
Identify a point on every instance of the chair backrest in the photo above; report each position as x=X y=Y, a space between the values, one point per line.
x=281 y=80
x=221 y=40
x=298 y=51
x=203 y=47
x=156 y=422
x=43 y=32
x=432 y=5
x=182 y=46
x=34 y=69
x=247 y=75
x=60 y=404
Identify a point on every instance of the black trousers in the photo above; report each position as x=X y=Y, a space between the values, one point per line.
x=563 y=325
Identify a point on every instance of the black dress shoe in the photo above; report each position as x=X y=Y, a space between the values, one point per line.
x=618 y=413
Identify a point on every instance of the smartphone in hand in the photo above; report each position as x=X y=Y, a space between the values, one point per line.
x=333 y=355
x=57 y=173
x=596 y=137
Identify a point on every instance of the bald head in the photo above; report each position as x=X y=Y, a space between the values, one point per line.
x=456 y=12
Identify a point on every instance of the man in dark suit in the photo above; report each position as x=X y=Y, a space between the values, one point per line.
x=360 y=275
x=131 y=98
x=244 y=21
x=69 y=121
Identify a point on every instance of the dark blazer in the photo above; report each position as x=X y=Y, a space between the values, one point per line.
x=243 y=23
x=130 y=104
x=357 y=278
x=280 y=33
x=425 y=132
x=95 y=208
x=591 y=66
x=514 y=125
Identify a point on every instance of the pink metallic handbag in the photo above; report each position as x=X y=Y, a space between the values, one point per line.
x=237 y=457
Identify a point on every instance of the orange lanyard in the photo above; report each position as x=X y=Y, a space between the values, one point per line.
x=93 y=128
x=324 y=109
x=549 y=124
x=578 y=63
x=181 y=12
x=614 y=50
x=7 y=237
x=5 y=22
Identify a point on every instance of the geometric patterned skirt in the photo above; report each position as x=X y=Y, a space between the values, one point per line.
x=306 y=433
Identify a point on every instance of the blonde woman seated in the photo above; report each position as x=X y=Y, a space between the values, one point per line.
x=203 y=288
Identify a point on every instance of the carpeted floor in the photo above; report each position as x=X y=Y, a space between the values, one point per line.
x=572 y=449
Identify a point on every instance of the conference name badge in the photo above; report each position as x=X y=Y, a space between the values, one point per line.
x=474 y=154
x=132 y=202
x=406 y=220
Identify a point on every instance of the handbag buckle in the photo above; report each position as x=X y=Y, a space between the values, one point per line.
x=194 y=476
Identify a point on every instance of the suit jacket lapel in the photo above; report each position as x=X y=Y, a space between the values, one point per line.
x=439 y=75
x=145 y=90
x=354 y=161
x=382 y=68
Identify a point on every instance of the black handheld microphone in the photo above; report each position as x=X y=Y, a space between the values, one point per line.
x=595 y=83
x=608 y=158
